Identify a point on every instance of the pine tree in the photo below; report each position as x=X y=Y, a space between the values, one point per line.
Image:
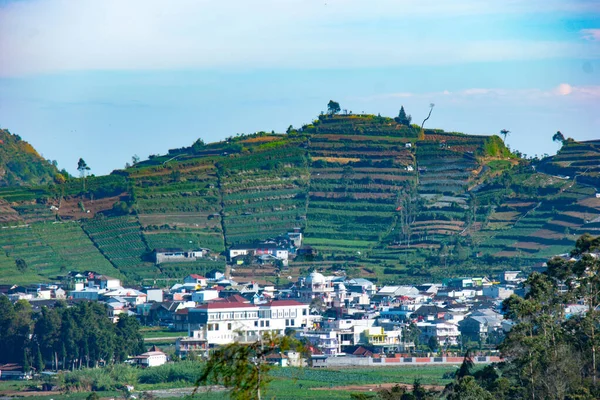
x=39 y=361
x=26 y=365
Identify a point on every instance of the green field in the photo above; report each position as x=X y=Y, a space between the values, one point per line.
x=287 y=383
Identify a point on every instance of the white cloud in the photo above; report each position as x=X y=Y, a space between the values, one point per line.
x=45 y=36
x=591 y=34
x=562 y=90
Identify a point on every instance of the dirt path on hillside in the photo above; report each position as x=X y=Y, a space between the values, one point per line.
x=378 y=386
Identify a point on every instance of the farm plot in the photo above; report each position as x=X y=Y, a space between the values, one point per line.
x=356 y=201
x=24 y=243
x=183 y=269
x=31 y=213
x=120 y=240
x=181 y=206
x=75 y=248
x=8 y=215
x=264 y=195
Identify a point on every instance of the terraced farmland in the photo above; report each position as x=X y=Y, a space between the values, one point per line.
x=179 y=206
x=40 y=259
x=120 y=240
x=581 y=159
x=74 y=247
x=369 y=193
x=264 y=193
x=358 y=177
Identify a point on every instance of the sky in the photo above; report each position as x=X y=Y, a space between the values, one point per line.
x=108 y=79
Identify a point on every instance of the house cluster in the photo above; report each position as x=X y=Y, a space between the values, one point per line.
x=273 y=251
x=345 y=320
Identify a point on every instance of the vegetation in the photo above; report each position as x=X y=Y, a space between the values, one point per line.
x=20 y=164
x=368 y=191
x=65 y=337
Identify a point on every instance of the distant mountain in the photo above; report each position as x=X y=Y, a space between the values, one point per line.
x=20 y=163
x=375 y=196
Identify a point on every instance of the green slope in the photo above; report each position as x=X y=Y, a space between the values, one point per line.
x=20 y=164
x=367 y=191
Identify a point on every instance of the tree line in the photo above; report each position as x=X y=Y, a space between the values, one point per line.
x=65 y=337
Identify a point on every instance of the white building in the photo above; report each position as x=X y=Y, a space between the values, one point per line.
x=178 y=255
x=223 y=323
x=497 y=292
x=131 y=296
x=445 y=333
x=202 y=296
x=317 y=286
x=152 y=358
x=195 y=279
x=104 y=282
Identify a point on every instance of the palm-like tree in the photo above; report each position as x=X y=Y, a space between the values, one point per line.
x=504 y=132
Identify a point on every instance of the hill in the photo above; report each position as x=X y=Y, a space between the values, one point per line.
x=375 y=197
x=20 y=164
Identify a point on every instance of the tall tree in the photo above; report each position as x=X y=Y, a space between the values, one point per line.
x=82 y=167
x=431 y=105
x=333 y=107
x=558 y=137
x=129 y=339
x=403 y=118
x=504 y=133
x=243 y=367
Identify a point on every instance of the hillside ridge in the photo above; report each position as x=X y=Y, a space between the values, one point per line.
x=373 y=196
x=21 y=164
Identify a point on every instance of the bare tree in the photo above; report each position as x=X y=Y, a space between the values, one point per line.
x=431 y=105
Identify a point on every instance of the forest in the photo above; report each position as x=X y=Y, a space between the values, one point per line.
x=62 y=337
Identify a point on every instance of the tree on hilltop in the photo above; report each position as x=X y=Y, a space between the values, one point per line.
x=402 y=118
x=559 y=137
x=333 y=107
x=82 y=167
x=431 y=105
x=504 y=133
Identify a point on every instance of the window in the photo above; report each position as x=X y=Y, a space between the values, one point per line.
x=255 y=323
x=262 y=323
x=267 y=322
x=287 y=322
x=229 y=326
x=292 y=322
x=304 y=312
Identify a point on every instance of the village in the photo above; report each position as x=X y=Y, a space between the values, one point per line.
x=345 y=321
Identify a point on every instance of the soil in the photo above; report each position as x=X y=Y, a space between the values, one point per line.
x=376 y=387
x=70 y=209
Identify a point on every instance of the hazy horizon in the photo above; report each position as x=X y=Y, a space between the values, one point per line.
x=105 y=80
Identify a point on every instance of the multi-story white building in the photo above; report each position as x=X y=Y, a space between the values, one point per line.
x=224 y=323
x=445 y=333
x=316 y=285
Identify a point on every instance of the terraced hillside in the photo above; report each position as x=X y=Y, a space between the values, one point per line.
x=372 y=195
x=263 y=192
x=48 y=250
x=360 y=171
x=576 y=159
x=120 y=240
x=178 y=204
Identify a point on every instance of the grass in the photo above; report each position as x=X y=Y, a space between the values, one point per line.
x=163 y=333
x=287 y=383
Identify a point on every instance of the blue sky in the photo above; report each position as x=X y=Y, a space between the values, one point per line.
x=107 y=79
